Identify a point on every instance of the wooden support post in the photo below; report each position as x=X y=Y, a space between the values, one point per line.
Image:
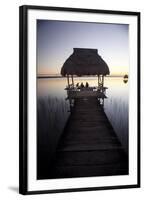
x=72 y=80
x=102 y=80
x=103 y=102
x=68 y=81
x=98 y=80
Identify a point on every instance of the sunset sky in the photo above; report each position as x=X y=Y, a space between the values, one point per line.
x=56 y=40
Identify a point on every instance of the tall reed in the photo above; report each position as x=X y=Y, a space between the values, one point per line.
x=116 y=110
x=52 y=114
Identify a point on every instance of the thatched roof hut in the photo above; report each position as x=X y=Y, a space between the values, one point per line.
x=85 y=62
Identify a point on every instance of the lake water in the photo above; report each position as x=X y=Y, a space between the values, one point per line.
x=53 y=108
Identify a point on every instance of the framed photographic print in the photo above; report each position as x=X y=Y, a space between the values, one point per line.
x=79 y=99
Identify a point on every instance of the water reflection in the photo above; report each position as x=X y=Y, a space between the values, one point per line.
x=125 y=80
x=53 y=110
x=117 y=94
x=54 y=87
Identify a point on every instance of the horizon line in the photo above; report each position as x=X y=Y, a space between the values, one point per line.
x=60 y=76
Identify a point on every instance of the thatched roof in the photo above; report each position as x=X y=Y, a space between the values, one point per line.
x=84 y=62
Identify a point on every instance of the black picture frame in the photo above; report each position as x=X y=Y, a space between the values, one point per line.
x=23 y=97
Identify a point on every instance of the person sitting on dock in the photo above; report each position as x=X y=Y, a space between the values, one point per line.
x=82 y=85
x=77 y=85
x=87 y=85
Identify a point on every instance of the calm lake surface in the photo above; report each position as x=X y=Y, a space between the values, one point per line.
x=53 y=108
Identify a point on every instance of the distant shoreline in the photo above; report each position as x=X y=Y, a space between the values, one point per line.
x=113 y=76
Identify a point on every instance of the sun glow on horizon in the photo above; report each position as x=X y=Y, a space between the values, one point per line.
x=114 y=71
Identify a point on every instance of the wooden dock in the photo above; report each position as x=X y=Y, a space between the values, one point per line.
x=89 y=145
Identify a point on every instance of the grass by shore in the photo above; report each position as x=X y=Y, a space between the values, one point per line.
x=52 y=114
x=117 y=112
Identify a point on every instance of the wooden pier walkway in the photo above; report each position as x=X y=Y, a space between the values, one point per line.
x=89 y=146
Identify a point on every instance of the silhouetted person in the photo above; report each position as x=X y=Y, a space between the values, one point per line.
x=77 y=84
x=87 y=85
x=82 y=85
